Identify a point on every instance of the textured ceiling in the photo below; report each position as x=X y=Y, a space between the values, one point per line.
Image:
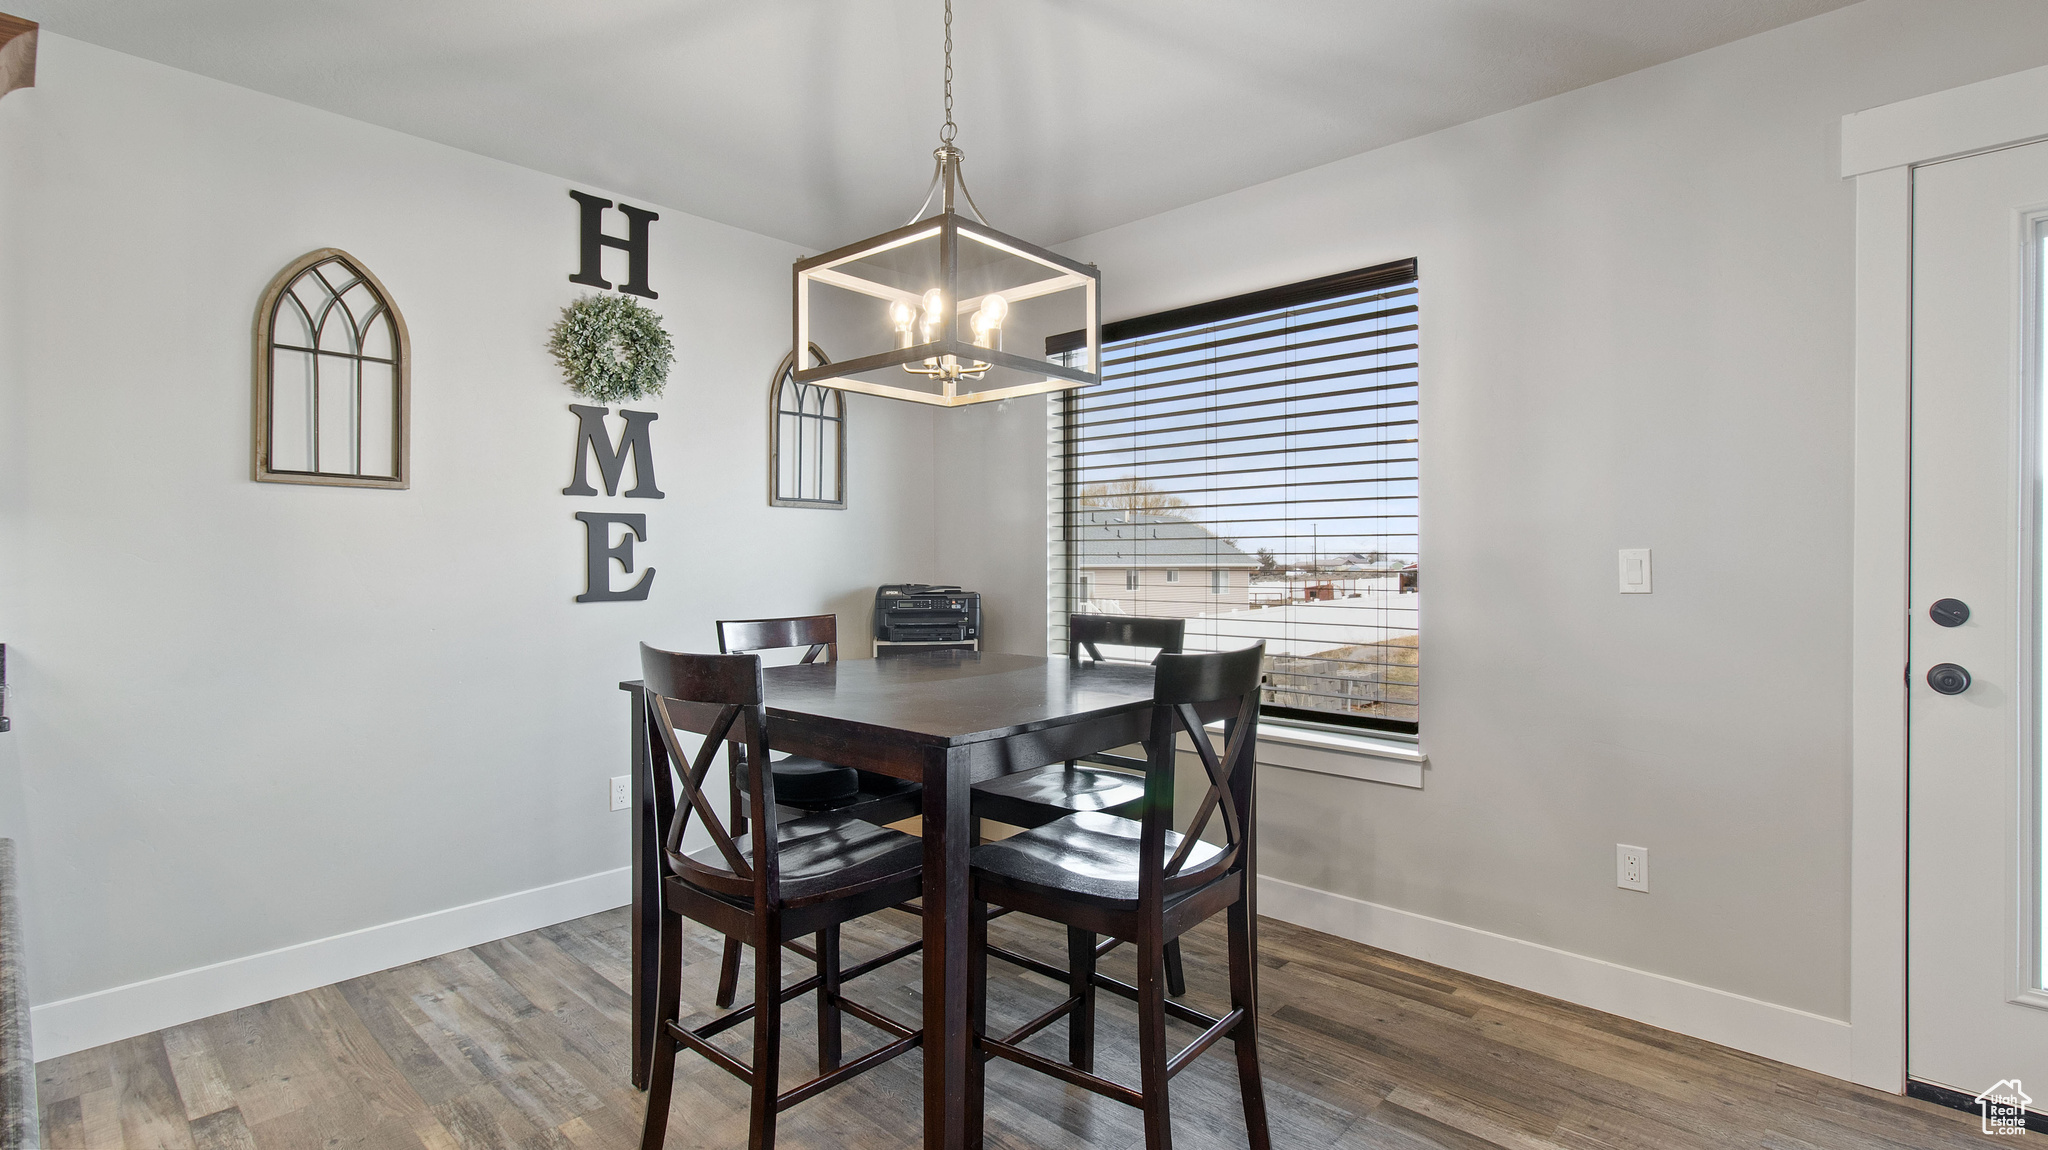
x=813 y=120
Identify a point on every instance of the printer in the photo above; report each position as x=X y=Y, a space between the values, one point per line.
x=921 y=613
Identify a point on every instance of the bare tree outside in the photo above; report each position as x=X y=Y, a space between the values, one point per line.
x=1133 y=495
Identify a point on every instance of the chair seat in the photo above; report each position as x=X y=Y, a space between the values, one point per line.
x=880 y=786
x=1058 y=790
x=801 y=781
x=1088 y=856
x=822 y=854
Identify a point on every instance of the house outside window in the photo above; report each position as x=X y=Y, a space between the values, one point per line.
x=1272 y=440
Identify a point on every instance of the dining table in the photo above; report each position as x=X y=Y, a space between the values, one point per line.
x=946 y=719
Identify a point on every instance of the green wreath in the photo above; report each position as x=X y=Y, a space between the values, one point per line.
x=612 y=349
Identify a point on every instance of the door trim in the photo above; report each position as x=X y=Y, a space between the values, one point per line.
x=1880 y=149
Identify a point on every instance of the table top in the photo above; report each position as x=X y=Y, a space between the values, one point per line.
x=952 y=698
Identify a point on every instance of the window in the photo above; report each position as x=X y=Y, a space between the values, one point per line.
x=807 y=440
x=1173 y=574
x=1275 y=434
x=1131 y=579
x=333 y=381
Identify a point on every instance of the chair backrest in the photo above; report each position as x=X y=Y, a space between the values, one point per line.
x=818 y=632
x=1181 y=685
x=1085 y=631
x=732 y=685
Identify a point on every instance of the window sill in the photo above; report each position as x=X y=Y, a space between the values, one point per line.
x=1370 y=758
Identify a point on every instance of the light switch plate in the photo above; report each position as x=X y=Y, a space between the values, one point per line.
x=1635 y=570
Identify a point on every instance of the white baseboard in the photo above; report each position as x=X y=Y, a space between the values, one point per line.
x=1802 y=1039
x=104 y=1016
x=1780 y=1032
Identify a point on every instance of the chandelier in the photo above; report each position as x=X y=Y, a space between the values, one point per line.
x=945 y=309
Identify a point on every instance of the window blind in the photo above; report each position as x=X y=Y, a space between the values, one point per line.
x=1271 y=440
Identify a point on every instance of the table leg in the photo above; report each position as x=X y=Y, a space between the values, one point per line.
x=646 y=900
x=948 y=833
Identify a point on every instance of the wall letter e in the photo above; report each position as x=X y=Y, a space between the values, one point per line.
x=598 y=555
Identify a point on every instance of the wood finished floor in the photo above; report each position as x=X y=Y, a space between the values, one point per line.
x=522 y=1043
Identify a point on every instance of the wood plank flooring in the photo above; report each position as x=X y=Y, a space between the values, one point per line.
x=523 y=1043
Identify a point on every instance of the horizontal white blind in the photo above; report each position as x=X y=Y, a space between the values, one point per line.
x=1265 y=449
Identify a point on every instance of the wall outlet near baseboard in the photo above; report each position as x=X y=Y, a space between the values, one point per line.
x=1632 y=867
x=622 y=792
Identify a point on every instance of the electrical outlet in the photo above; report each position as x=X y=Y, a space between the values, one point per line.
x=1632 y=867
x=622 y=792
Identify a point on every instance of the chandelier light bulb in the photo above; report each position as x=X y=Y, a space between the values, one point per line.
x=902 y=316
x=988 y=322
x=934 y=308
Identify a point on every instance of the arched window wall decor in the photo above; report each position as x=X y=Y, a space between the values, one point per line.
x=333 y=377
x=807 y=440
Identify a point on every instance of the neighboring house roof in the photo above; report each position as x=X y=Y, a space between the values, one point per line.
x=1104 y=538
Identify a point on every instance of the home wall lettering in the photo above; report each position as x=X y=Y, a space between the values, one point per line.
x=594 y=441
x=599 y=551
x=595 y=240
x=612 y=349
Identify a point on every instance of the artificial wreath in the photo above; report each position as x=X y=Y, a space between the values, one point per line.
x=612 y=349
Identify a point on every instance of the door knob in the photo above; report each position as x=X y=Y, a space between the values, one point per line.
x=1948 y=678
x=1949 y=612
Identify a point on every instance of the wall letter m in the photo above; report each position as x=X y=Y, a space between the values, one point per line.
x=592 y=439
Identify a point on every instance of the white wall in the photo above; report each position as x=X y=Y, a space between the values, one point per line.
x=1637 y=308
x=248 y=715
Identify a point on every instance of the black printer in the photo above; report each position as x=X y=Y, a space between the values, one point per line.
x=926 y=613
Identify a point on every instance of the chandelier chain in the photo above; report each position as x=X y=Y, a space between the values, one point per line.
x=947 y=133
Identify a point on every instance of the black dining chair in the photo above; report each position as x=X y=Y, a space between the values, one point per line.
x=784 y=880
x=1111 y=783
x=1138 y=881
x=801 y=782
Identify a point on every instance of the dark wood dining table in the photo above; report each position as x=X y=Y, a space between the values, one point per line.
x=946 y=719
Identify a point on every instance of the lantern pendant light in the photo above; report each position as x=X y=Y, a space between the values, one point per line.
x=946 y=310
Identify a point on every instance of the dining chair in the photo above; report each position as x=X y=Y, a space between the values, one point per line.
x=784 y=880
x=1138 y=881
x=802 y=782
x=1110 y=783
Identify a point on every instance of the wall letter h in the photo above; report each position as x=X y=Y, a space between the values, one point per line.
x=595 y=241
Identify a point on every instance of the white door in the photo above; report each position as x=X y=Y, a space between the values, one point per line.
x=1976 y=1014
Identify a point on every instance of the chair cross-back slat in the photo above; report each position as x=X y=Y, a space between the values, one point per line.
x=693 y=784
x=1236 y=751
x=733 y=684
x=1181 y=683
